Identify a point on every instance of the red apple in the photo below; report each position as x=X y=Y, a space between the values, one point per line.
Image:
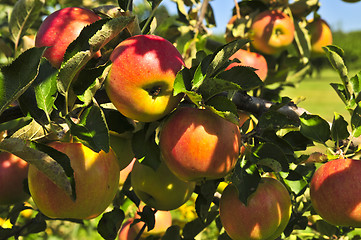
x=250 y=59
x=125 y=172
x=127 y=232
x=321 y=36
x=96 y=183
x=163 y=220
x=197 y=144
x=13 y=173
x=265 y=216
x=335 y=192
x=140 y=82
x=60 y=28
x=272 y=31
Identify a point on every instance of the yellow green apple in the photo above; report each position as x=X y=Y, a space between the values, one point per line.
x=320 y=34
x=160 y=188
x=96 y=183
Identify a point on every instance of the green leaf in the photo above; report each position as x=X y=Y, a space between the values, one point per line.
x=339 y=129
x=221 y=56
x=24 y=14
x=124 y=4
x=315 y=128
x=341 y=91
x=298 y=141
x=182 y=81
x=275 y=120
x=356 y=121
x=245 y=77
x=205 y=198
x=224 y=108
x=213 y=86
x=172 y=233
x=92 y=129
x=269 y=151
x=18 y=76
x=145 y=148
x=200 y=73
x=194 y=227
x=245 y=178
x=45 y=163
x=110 y=223
x=117 y=122
x=14 y=125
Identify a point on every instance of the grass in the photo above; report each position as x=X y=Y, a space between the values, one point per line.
x=317 y=95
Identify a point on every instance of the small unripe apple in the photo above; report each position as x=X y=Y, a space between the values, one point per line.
x=13 y=173
x=60 y=28
x=96 y=183
x=140 y=81
x=335 y=192
x=272 y=31
x=160 y=188
x=197 y=144
x=321 y=36
x=265 y=216
x=250 y=59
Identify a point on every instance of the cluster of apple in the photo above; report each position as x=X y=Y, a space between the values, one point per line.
x=272 y=31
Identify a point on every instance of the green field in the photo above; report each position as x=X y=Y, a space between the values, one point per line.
x=318 y=97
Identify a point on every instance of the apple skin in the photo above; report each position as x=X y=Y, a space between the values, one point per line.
x=125 y=172
x=13 y=173
x=60 y=28
x=160 y=189
x=140 y=81
x=272 y=31
x=197 y=144
x=250 y=59
x=335 y=192
x=163 y=220
x=127 y=232
x=266 y=215
x=96 y=183
x=122 y=147
x=321 y=36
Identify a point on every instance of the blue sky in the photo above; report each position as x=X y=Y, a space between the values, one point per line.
x=339 y=15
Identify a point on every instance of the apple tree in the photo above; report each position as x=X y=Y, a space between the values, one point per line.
x=138 y=124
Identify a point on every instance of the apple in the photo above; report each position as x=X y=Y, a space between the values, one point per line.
x=96 y=183
x=265 y=216
x=121 y=144
x=13 y=173
x=335 y=192
x=127 y=231
x=123 y=175
x=321 y=36
x=160 y=189
x=197 y=144
x=140 y=81
x=250 y=59
x=163 y=220
x=60 y=28
x=272 y=31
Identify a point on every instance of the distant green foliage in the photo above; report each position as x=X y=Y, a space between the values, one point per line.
x=350 y=43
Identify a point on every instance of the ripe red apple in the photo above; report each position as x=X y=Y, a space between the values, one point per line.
x=140 y=82
x=250 y=59
x=335 y=192
x=160 y=189
x=321 y=36
x=197 y=144
x=60 y=28
x=265 y=216
x=13 y=173
x=127 y=232
x=96 y=183
x=272 y=31
x=163 y=220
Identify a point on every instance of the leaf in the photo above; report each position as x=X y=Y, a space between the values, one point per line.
x=205 y=198
x=18 y=76
x=269 y=151
x=213 y=86
x=24 y=14
x=245 y=77
x=194 y=227
x=32 y=131
x=298 y=141
x=145 y=148
x=92 y=129
x=117 y=122
x=110 y=223
x=356 y=121
x=275 y=120
x=41 y=160
x=125 y=4
x=339 y=129
x=315 y=128
x=340 y=90
x=224 y=108
x=221 y=56
x=245 y=178
x=16 y=124
x=172 y=233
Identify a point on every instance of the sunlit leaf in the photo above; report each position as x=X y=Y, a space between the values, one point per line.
x=315 y=128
